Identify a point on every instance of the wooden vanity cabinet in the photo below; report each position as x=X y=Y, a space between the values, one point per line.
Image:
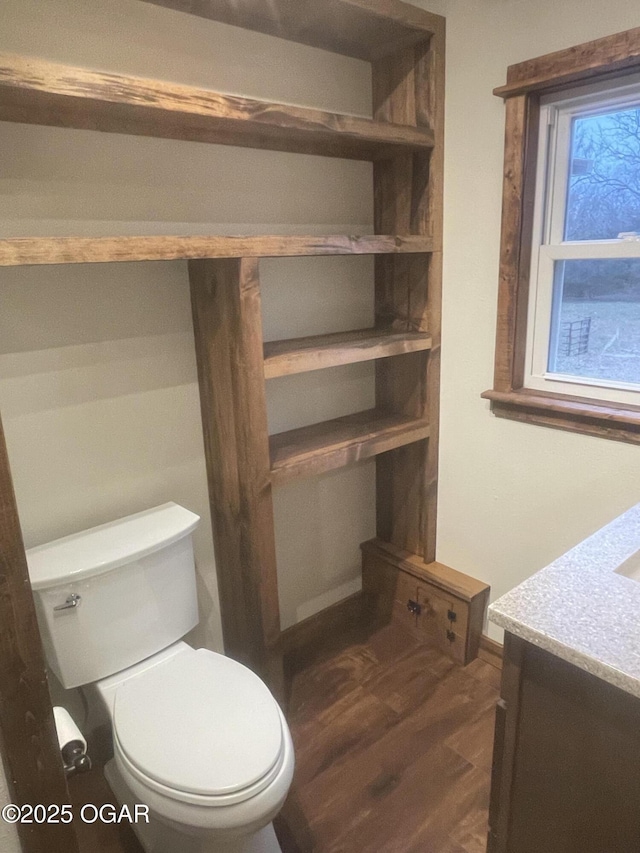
x=566 y=771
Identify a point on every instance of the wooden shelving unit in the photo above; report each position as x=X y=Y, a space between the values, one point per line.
x=334 y=444
x=364 y=29
x=404 y=140
x=21 y=251
x=64 y=96
x=299 y=355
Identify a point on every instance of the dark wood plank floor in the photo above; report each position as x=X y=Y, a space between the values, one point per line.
x=99 y=837
x=393 y=750
x=393 y=753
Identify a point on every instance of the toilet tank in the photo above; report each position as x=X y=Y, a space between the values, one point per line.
x=109 y=597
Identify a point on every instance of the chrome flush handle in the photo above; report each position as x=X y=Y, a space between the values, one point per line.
x=72 y=601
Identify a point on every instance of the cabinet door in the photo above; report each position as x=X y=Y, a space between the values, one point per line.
x=575 y=786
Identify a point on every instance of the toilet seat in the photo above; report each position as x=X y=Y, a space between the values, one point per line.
x=199 y=728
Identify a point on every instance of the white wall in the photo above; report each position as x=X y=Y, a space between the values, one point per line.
x=513 y=496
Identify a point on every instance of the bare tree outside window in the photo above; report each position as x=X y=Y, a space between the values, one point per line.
x=603 y=203
x=604 y=186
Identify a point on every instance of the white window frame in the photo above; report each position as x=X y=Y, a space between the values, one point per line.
x=548 y=245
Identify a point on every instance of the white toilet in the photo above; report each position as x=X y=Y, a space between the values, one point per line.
x=197 y=736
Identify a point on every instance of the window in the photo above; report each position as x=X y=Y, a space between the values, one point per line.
x=584 y=327
x=568 y=338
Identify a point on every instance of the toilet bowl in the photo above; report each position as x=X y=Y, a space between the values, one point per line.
x=198 y=737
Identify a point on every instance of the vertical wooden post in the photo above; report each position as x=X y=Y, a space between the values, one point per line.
x=27 y=731
x=227 y=321
x=408 y=88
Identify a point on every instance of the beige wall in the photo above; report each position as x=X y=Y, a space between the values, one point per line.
x=512 y=496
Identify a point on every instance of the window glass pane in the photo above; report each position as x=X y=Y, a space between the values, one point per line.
x=604 y=176
x=595 y=328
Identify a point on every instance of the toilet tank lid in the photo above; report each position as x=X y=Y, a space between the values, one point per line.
x=100 y=549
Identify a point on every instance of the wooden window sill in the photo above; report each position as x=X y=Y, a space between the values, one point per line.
x=575 y=414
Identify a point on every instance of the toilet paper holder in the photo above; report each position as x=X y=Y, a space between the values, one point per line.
x=73 y=746
x=75 y=759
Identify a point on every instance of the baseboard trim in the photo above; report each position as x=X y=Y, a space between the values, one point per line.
x=491 y=651
x=347 y=615
x=339 y=618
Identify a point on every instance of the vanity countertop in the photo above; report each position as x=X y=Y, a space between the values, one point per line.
x=581 y=610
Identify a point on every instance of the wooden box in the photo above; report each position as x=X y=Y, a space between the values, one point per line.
x=441 y=605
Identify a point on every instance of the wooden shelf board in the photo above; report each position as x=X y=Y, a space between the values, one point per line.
x=22 y=251
x=299 y=355
x=39 y=92
x=364 y=29
x=337 y=443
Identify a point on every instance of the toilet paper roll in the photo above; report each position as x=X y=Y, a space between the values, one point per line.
x=67 y=730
